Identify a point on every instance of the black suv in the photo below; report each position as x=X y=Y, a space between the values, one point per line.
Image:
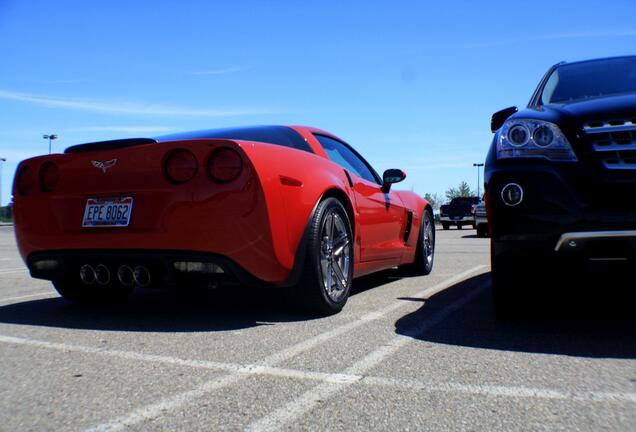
x=560 y=176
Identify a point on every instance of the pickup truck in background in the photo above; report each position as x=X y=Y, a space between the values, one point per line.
x=459 y=212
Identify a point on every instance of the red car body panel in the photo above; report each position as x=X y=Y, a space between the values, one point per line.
x=257 y=220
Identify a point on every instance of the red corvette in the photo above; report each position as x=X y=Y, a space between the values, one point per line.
x=281 y=206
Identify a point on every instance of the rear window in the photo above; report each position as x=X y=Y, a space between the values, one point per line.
x=465 y=200
x=279 y=135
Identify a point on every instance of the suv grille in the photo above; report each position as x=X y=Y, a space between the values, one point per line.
x=613 y=142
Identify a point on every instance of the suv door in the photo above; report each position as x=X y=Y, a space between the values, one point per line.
x=380 y=216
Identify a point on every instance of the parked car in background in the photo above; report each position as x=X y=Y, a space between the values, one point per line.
x=561 y=178
x=459 y=212
x=481 y=219
x=271 y=206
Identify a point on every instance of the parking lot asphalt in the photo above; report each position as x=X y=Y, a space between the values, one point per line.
x=406 y=353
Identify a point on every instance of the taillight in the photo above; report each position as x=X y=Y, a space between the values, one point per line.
x=49 y=176
x=225 y=165
x=181 y=166
x=25 y=180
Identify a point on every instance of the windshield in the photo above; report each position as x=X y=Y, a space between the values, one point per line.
x=593 y=79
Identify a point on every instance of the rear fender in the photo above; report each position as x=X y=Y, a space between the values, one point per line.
x=293 y=183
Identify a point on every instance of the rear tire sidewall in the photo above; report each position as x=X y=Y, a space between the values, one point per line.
x=314 y=296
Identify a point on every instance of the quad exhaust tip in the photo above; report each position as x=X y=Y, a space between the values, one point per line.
x=141 y=276
x=102 y=274
x=126 y=276
x=87 y=274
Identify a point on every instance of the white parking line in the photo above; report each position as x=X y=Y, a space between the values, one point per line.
x=502 y=391
x=280 y=372
x=13 y=270
x=176 y=401
x=42 y=294
x=306 y=402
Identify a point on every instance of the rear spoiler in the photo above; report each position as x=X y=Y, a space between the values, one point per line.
x=109 y=145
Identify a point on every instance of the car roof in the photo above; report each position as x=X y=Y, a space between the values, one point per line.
x=595 y=60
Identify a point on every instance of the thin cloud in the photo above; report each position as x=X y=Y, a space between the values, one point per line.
x=556 y=36
x=127 y=129
x=223 y=71
x=129 y=108
x=61 y=81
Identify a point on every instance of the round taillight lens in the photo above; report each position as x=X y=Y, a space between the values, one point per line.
x=49 y=176
x=25 y=180
x=225 y=165
x=181 y=166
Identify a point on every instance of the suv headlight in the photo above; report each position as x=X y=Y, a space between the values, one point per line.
x=533 y=138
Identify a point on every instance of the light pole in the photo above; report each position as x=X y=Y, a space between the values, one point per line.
x=50 y=137
x=1 y=160
x=478 y=165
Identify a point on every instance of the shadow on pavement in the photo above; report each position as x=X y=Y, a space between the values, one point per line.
x=223 y=309
x=584 y=322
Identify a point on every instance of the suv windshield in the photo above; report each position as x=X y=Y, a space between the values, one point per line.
x=593 y=79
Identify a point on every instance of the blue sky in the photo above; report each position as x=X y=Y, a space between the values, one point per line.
x=410 y=84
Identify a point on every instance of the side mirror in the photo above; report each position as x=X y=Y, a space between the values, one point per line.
x=391 y=176
x=499 y=118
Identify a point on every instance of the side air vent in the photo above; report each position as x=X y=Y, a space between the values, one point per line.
x=409 y=224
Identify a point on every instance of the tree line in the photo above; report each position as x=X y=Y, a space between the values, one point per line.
x=437 y=200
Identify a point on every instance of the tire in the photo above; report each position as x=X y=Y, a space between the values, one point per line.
x=329 y=252
x=446 y=227
x=425 y=252
x=510 y=283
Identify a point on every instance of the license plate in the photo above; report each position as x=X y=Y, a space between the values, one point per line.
x=107 y=212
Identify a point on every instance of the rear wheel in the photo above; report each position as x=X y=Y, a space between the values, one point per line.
x=328 y=272
x=425 y=252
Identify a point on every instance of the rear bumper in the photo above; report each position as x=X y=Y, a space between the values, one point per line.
x=168 y=269
x=235 y=225
x=463 y=220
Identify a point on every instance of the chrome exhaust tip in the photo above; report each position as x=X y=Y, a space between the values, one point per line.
x=126 y=276
x=141 y=276
x=102 y=274
x=87 y=274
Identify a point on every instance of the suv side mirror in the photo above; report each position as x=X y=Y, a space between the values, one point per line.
x=391 y=176
x=499 y=118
